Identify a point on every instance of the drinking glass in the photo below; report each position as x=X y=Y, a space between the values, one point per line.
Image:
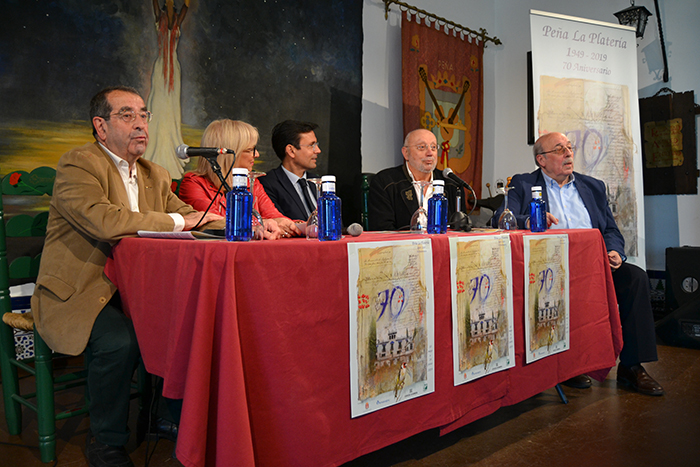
x=419 y=221
x=312 y=222
x=507 y=221
x=258 y=226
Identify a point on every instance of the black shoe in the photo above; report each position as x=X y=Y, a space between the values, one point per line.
x=637 y=378
x=159 y=428
x=578 y=382
x=101 y=455
x=163 y=428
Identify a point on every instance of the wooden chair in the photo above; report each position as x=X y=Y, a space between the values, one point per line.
x=21 y=184
x=16 y=186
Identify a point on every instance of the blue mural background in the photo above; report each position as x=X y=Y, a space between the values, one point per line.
x=261 y=61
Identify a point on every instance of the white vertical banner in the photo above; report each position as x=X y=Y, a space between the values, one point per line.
x=585 y=86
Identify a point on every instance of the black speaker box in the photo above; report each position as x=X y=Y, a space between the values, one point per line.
x=682 y=325
x=682 y=276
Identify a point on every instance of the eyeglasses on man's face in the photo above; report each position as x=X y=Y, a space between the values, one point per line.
x=561 y=150
x=310 y=146
x=129 y=116
x=424 y=147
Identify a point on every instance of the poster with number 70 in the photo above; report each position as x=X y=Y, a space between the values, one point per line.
x=546 y=295
x=482 y=306
x=391 y=323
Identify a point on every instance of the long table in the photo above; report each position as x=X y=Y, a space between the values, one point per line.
x=255 y=338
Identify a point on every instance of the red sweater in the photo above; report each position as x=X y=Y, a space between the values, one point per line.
x=198 y=191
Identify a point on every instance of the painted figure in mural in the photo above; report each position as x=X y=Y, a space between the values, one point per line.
x=199 y=187
x=164 y=98
x=392 y=196
x=576 y=201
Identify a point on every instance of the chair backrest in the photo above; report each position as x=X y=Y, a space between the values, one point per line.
x=366 y=180
x=175 y=186
x=22 y=194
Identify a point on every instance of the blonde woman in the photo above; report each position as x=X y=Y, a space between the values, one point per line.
x=199 y=188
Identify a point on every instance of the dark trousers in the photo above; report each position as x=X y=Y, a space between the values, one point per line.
x=636 y=316
x=113 y=354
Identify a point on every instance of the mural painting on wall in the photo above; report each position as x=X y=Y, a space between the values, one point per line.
x=442 y=92
x=164 y=97
x=193 y=61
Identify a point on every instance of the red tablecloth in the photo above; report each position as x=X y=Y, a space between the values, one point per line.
x=255 y=338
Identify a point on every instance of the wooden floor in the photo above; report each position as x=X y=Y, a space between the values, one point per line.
x=605 y=426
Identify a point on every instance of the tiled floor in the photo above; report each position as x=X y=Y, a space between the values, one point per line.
x=602 y=426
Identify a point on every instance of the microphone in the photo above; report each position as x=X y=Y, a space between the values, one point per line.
x=184 y=151
x=355 y=229
x=448 y=173
x=459 y=220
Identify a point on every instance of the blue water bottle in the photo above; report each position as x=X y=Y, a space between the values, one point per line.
x=437 y=209
x=330 y=223
x=538 y=211
x=239 y=208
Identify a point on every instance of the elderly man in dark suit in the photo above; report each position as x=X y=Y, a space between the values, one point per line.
x=576 y=201
x=392 y=196
x=296 y=145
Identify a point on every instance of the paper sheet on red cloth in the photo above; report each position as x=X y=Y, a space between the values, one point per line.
x=255 y=336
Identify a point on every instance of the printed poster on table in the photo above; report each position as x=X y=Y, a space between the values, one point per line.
x=546 y=295
x=391 y=323
x=482 y=306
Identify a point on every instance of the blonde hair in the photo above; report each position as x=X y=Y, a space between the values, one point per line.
x=230 y=134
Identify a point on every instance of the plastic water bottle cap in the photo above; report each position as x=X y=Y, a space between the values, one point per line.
x=438 y=186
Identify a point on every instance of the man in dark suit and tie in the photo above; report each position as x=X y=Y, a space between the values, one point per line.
x=296 y=145
x=577 y=201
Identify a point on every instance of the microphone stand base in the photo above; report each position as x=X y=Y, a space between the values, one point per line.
x=460 y=221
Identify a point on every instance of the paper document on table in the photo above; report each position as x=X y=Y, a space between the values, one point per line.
x=391 y=323
x=188 y=235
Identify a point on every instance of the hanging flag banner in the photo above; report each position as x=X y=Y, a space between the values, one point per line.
x=546 y=295
x=585 y=86
x=482 y=306
x=442 y=75
x=391 y=323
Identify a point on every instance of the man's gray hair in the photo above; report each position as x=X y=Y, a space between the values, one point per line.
x=537 y=149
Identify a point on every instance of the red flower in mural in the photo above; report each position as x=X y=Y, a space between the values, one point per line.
x=14 y=178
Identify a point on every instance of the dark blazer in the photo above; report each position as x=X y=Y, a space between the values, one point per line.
x=392 y=199
x=284 y=195
x=592 y=192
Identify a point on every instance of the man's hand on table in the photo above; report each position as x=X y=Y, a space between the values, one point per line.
x=194 y=218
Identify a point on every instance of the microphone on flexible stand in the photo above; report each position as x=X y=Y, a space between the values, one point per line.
x=448 y=173
x=458 y=220
x=184 y=151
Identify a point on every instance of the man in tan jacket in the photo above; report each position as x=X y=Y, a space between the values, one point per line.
x=103 y=192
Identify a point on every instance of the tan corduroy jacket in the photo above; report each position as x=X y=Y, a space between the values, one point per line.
x=89 y=213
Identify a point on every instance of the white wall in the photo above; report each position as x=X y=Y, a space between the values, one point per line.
x=382 y=117
x=671 y=220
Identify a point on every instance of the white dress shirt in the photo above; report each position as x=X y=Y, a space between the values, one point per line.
x=129 y=177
